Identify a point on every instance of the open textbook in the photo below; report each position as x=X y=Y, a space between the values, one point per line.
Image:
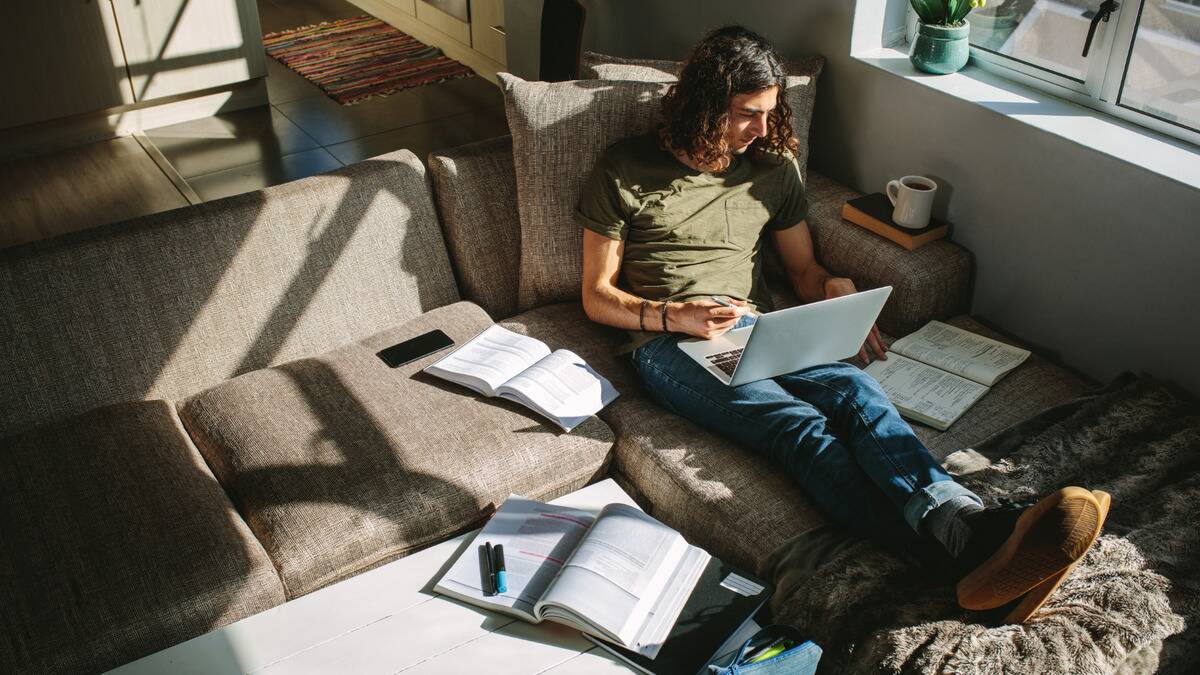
x=933 y=375
x=621 y=576
x=499 y=362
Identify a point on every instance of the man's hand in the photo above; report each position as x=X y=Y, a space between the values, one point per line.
x=839 y=286
x=703 y=318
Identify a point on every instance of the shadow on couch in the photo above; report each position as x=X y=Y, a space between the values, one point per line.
x=168 y=304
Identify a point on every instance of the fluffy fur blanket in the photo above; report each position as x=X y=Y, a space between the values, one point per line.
x=1131 y=606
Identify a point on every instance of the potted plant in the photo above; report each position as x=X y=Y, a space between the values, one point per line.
x=941 y=44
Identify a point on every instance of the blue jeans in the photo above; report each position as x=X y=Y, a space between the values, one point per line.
x=830 y=426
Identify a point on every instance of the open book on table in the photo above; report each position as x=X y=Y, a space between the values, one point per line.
x=934 y=375
x=499 y=362
x=621 y=576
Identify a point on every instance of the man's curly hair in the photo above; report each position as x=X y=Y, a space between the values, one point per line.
x=695 y=112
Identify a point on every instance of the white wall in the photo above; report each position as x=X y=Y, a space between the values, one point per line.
x=1083 y=255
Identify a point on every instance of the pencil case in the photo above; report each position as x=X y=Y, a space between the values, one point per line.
x=774 y=650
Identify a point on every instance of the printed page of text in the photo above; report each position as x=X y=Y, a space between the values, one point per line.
x=563 y=387
x=493 y=357
x=619 y=572
x=922 y=391
x=537 y=540
x=961 y=352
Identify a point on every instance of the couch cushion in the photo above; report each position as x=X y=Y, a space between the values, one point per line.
x=166 y=305
x=597 y=66
x=476 y=192
x=340 y=464
x=559 y=131
x=721 y=496
x=118 y=542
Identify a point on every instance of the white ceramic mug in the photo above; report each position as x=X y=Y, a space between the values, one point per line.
x=913 y=198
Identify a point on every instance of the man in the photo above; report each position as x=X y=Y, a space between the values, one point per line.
x=676 y=217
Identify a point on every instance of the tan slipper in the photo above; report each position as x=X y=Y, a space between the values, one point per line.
x=1047 y=538
x=1035 y=598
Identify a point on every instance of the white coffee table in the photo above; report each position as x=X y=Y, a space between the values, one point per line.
x=388 y=620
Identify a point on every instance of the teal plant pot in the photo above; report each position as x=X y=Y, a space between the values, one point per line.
x=940 y=49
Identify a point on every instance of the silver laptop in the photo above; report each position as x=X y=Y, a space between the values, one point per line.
x=790 y=339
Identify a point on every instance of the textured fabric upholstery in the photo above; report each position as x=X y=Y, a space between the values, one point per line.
x=559 y=131
x=931 y=282
x=163 y=306
x=802 y=83
x=597 y=66
x=727 y=499
x=476 y=193
x=340 y=464
x=117 y=542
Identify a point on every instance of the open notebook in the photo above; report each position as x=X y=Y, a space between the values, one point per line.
x=934 y=375
x=499 y=362
x=621 y=576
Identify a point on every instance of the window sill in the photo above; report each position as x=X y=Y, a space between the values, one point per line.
x=1134 y=145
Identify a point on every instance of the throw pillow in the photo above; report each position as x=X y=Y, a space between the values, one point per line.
x=559 y=131
x=596 y=66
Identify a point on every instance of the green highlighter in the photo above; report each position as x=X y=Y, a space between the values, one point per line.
x=776 y=649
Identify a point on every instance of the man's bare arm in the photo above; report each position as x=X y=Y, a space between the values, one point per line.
x=602 y=300
x=808 y=277
x=605 y=303
x=813 y=282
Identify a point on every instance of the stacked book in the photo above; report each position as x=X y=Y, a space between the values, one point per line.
x=874 y=212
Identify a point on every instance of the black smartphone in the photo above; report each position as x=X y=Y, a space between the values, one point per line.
x=413 y=349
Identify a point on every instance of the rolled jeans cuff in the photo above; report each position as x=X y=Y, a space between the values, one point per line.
x=932 y=496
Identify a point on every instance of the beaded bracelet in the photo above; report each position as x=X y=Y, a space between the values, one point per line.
x=664 y=317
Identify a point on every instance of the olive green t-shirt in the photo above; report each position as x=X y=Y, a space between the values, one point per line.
x=688 y=233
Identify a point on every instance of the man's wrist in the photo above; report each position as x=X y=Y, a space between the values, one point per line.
x=826 y=280
x=819 y=285
x=671 y=315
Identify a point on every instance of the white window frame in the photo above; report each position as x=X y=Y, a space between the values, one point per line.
x=1108 y=56
x=1183 y=6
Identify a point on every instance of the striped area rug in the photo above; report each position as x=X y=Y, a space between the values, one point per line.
x=352 y=60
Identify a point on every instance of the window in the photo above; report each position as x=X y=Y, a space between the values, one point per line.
x=1142 y=62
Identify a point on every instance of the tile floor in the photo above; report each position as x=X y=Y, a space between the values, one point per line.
x=300 y=133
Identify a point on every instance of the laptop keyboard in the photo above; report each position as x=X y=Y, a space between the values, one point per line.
x=727 y=361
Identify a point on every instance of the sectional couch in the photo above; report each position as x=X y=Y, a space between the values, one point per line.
x=196 y=428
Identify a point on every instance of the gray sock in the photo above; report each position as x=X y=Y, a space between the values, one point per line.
x=945 y=523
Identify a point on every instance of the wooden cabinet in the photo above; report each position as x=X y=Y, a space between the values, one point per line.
x=459 y=9
x=59 y=59
x=179 y=46
x=409 y=7
x=452 y=26
x=487 y=29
